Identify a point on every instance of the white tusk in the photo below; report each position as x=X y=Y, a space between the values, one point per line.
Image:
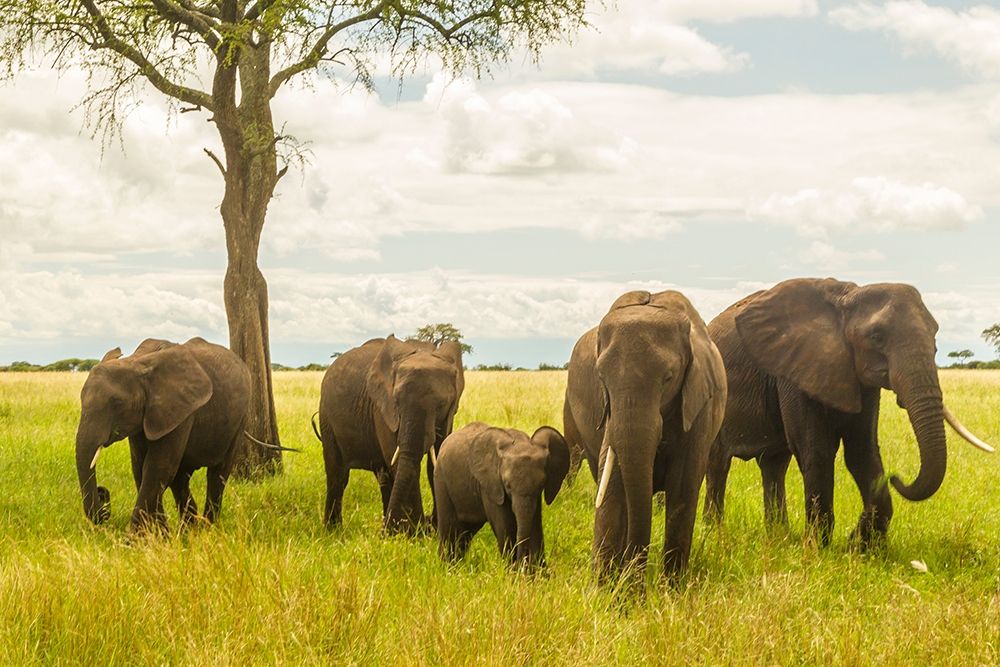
x=93 y=462
x=395 y=457
x=964 y=432
x=602 y=489
x=434 y=457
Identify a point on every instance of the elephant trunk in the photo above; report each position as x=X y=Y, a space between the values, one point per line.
x=406 y=511
x=634 y=432
x=919 y=392
x=95 y=498
x=530 y=548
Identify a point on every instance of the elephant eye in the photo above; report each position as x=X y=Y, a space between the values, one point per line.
x=877 y=337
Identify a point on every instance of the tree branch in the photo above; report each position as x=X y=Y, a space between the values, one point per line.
x=188 y=17
x=216 y=160
x=147 y=69
x=319 y=49
x=445 y=31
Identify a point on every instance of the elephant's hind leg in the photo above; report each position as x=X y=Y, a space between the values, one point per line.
x=454 y=536
x=337 y=476
x=187 y=509
x=773 y=466
x=717 y=474
x=384 y=478
x=218 y=476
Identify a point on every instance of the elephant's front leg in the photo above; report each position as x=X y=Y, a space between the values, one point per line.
x=773 y=466
x=163 y=458
x=610 y=527
x=684 y=475
x=719 y=461
x=864 y=461
x=814 y=440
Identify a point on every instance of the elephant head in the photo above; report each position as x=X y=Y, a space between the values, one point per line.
x=830 y=339
x=414 y=388
x=655 y=361
x=152 y=392
x=511 y=467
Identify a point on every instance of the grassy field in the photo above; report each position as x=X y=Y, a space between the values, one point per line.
x=268 y=584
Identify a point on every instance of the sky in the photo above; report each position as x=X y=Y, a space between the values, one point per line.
x=713 y=147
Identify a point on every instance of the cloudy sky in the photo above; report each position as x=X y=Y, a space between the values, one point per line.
x=709 y=146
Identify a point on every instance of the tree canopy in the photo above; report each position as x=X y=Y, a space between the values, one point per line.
x=441 y=332
x=992 y=336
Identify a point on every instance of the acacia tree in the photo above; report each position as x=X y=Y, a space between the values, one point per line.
x=439 y=333
x=248 y=50
x=992 y=336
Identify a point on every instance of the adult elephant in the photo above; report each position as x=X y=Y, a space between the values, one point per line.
x=806 y=362
x=383 y=406
x=182 y=407
x=645 y=397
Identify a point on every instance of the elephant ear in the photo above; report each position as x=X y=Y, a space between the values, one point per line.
x=557 y=462
x=176 y=386
x=151 y=345
x=705 y=376
x=795 y=331
x=485 y=462
x=633 y=298
x=382 y=379
x=451 y=351
x=110 y=355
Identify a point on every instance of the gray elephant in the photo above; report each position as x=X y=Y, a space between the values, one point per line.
x=498 y=475
x=645 y=397
x=806 y=362
x=383 y=406
x=182 y=407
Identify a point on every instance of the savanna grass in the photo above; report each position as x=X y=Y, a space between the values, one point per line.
x=269 y=585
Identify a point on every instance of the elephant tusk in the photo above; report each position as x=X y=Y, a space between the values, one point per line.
x=395 y=457
x=93 y=461
x=434 y=458
x=602 y=489
x=964 y=432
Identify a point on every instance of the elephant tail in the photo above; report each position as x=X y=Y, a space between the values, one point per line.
x=316 y=428
x=268 y=445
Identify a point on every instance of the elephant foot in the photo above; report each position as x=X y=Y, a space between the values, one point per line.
x=103 y=505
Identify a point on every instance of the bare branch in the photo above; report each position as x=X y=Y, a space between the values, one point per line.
x=216 y=160
x=147 y=69
x=178 y=14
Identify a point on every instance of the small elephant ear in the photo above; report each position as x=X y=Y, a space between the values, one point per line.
x=706 y=376
x=382 y=379
x=795 y=331
x=151 y=345
x=557 y=462
x=176 y=386
x=633 y=298
x=112 y=354
x=485 y=462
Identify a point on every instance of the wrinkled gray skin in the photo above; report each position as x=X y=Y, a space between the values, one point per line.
x=495 y=475
x=383 y=394
x=182 y=407
x=807 y=360
x=649 y=384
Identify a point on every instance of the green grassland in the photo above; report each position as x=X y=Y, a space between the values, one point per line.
x=269 y=585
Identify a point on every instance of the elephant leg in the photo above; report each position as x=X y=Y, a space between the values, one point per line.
x=684 y=476
x=773 y=466
x=864 y=462
x=337 y=476
x=432 y=520
x=814 y=440
x=217 y=477
x=573 y=442
x=719 y=461
x=159 y=468
x=384 y=478
x=137 y=452
x=187 y=509
x=504 y=526
x=610 y=528
x=454 y=536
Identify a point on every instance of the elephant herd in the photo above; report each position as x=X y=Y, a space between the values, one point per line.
x=655 y=401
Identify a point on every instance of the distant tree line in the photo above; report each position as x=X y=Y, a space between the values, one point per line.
x=62 y=365
x=963 y=357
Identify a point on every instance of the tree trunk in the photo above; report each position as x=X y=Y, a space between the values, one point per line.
x=248 y=137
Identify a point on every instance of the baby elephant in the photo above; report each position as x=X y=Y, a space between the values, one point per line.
x=498 y=475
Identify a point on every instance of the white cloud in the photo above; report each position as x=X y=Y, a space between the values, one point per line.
x=868 y=204
x=723 y=11
x=968 y=37
x=825 y=257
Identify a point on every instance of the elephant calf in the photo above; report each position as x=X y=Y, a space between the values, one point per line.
x=498 y=475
